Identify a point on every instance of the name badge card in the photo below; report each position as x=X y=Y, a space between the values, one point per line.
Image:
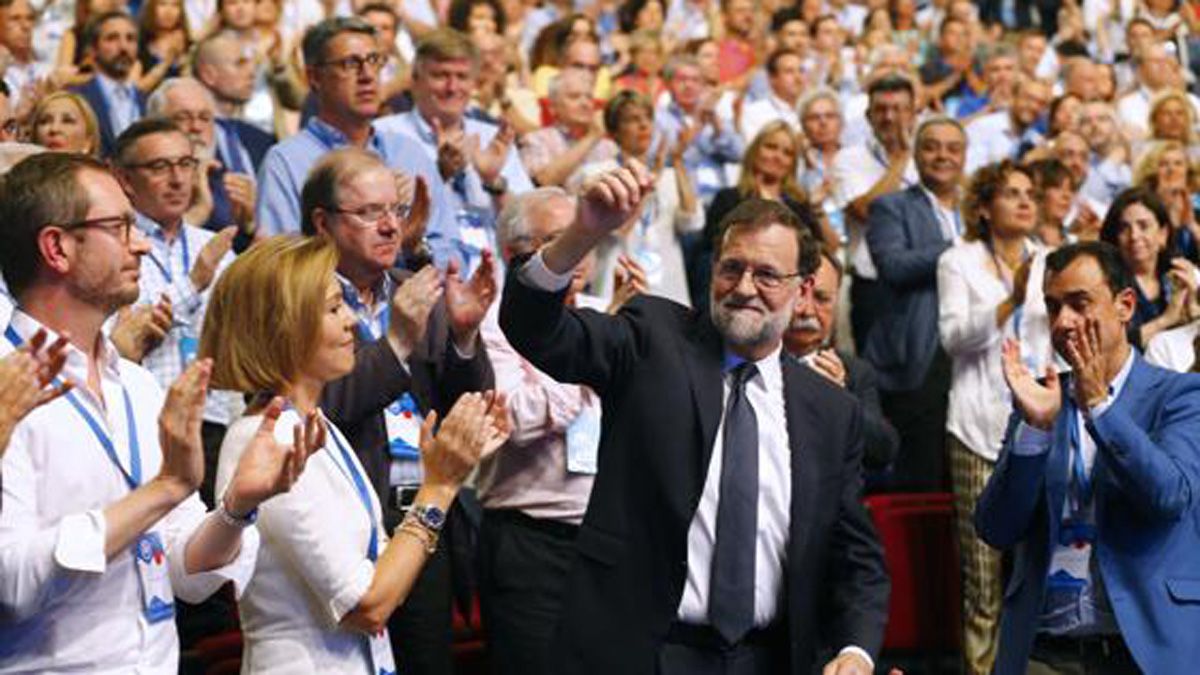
x=382 y=660
x=583 y=440
x=403 y=419
x=150 y=558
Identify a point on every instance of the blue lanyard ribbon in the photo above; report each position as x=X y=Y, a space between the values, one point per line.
x=363 y=325
x=360 y=485
x=1081 y=483
x=165 y=269
x=133 y=477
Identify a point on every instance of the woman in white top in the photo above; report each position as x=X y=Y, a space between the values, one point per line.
x=989 y=290
x=327 y=577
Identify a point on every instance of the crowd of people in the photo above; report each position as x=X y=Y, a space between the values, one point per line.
x=606 y=313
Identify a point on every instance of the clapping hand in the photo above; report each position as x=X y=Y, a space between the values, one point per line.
x=205 y=269
x=267 y=467
x=27 y=380
x=477 y=424
x=179 y=428
x=468 y=302
x=141 y=329
x=1086 y=356
x=489 y=159
x=412 y=190
x=411 y=305
x=451 y=149
x=629 y=281
x=1038 y=404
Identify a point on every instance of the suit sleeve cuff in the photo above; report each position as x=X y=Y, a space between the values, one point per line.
x=80 y=545
x=1031 y=441
x=537 y=275
x=851 y=649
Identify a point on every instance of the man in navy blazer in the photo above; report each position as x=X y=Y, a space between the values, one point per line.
x=1097 y=491
x=112 y=39
x=906 y=232
x=690 y=559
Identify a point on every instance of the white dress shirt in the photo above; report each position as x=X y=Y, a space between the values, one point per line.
x=313 y=566
x=968 y=293
x=64 y=606
x=855 y=171
x=1134 y=110
x=765 y=393
x=762 y=112
x=1174 y=349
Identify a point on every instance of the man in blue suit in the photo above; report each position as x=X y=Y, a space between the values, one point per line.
x=1097 y=491
x=906 y=232
x=112 y=39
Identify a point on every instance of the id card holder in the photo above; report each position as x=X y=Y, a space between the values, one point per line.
x=403 y=420
x=382 y=660
x=583 y=441
x=150 y=558
x=189 y=346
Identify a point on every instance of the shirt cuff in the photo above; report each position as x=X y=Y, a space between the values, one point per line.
x=352 y=593
x=537 y=275
x=851 y=649
x=80 y=545
x=1094 y=412
x=1031 y=441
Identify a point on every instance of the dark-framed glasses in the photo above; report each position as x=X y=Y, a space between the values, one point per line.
x=163 y=165
x=371 y=214
x=351 y=65
x=766 y=279
x=120 y=226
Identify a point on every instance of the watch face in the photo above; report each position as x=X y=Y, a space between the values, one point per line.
x=432 y=516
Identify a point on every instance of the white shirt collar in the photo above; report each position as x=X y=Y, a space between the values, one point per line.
x=75 y=369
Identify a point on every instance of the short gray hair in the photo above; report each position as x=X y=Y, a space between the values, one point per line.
x=937 y=120
x=513 y=223
x=819 y=94
x=558 y=80
x=157 y=103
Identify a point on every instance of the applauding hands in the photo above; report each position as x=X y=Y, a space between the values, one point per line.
x=27 y=381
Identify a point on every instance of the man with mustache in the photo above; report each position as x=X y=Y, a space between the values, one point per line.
x=724 y=532
x=810 y=339
x=111 y=39
x=907 y=232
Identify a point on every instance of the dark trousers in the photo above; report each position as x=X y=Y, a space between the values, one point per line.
x=523 y=572
x=919 y=416
x=420 y=628
x=866 y=302
x=1081 y=656
x=698 y=650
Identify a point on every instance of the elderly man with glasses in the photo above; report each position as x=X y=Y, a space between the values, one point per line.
x=343 y=73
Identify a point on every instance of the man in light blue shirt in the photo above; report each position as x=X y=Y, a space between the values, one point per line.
x=343 y=73
x=476 y=160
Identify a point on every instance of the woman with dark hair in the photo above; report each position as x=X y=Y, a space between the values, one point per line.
x=1056 y=191
x=1139 y=225
x=985 y=299
x=163 y=41
x=472 y=16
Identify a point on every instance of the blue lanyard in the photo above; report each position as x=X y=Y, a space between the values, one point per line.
x=1081 y=483
x=165 y=269
x=133 y=477
x=360 y=485
x=363 y=326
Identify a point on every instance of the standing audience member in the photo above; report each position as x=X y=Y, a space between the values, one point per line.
x=810 y=338
x=554 y=154
x=785 y=76
x=1092 y=489
x=96 y=544
x=1011 y=132
x=985 y=298
x=225 y=66
x=111 y=39
x=327 y=577
x=416 y=354
x=342 y=61
x=907 y=232
x=862 y=173
x=740 y=555
x=23 y=70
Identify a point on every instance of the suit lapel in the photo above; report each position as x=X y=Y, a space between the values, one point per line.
x=703 y=358
x=804 y=441
x=927 y=227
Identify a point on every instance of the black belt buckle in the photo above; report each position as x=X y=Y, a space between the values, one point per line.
x=403 y=497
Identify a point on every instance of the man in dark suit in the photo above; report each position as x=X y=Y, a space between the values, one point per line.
x=907 y=232
x=417 y=353
x=1095 y=491
x=724 y=532
x=809 y=337
x=112 y=38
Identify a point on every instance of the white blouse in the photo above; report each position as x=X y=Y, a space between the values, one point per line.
x=312 y=565
x=969 y=291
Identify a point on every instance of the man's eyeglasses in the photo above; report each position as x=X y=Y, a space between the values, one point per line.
x=121 y=226
x=163 y=166
x=352 y=65
x=371 y=214
x=186 y=117
x=732 y=271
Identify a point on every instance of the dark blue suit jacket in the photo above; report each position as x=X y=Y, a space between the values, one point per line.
x=905 y=242
x=255 y=140
x=1147 y=497
x=94 y=95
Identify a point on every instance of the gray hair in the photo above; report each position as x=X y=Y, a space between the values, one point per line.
x=936 y=120
x=157 y=103
x=819 y=94
x=560 y=79
x=513 y=223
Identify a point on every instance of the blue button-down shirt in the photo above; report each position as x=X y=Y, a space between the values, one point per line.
x=708 y=154
x=287 y=164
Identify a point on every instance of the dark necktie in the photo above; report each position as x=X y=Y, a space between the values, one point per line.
x=731 y=587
